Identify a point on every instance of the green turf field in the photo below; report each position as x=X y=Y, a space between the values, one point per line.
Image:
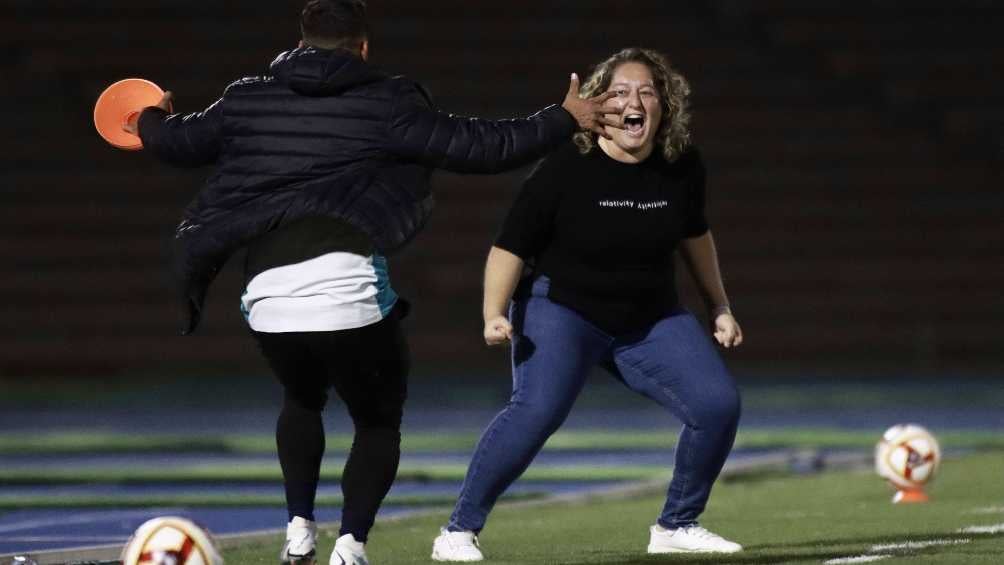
x=271 y=473
x=780 y=519
x=96 y=442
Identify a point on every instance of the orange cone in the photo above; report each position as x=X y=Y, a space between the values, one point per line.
x=120 y=104
x=909 y=496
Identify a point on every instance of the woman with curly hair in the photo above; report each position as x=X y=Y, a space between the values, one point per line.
x=597 y=224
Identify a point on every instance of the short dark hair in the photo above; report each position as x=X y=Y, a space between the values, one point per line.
x=334 y=24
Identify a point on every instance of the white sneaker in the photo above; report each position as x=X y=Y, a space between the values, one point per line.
x=456 y=546
x=348 y=551
x=691 y=539
x=301 y=539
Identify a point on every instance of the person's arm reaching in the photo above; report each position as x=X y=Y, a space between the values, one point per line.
x=701 y=258
x=502 y=272
x=191 y=140
x=473 y=145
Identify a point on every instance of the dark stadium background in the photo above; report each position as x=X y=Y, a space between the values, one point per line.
x=855 y=152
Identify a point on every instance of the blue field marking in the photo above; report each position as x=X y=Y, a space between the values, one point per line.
x=24 y=530
x=615 y=457
x=32 y=531
x=400 y=488
x=644 y=415
x=593 y=458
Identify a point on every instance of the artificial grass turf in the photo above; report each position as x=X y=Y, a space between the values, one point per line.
x=120 y=501
x=271 y=474
x=788 y=519
x=104 y=442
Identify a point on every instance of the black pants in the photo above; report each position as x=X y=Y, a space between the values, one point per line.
x=368 y=368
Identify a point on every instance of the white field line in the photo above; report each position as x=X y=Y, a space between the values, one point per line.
x=83 y=518
x=875 y=552
x=912 y=545
x=856 y=559
x=989 y=529
x=79 y=539
x=987 y=510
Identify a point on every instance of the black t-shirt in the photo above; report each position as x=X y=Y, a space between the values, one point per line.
x=604 y=232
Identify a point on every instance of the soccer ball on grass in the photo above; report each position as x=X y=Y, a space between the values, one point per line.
x=170 y=540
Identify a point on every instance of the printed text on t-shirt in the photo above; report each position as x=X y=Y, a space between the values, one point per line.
x=632 y=204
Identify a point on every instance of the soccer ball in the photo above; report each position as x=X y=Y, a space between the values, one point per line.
x=170 y=540
x=907 y=456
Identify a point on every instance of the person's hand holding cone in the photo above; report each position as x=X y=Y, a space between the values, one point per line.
x=119 y=106
x=132 y=125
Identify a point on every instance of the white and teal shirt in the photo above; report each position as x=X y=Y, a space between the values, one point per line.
x=336 y=290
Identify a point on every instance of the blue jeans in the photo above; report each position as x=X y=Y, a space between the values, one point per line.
x=673 y=363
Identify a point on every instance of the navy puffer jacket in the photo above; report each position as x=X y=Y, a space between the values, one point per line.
x=325 y=134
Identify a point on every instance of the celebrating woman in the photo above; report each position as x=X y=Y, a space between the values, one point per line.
x=597 y=224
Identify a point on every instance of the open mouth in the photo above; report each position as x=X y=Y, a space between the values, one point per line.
x=634 y=123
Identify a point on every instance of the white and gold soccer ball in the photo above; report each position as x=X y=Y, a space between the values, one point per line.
x=170 y=540
x=907 y=456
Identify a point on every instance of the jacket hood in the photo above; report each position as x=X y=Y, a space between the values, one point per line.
x=322 y=72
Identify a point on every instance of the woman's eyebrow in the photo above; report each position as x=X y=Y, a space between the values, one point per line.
x=624 y=83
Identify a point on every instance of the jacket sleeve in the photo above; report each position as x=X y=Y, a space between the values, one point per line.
x=420 y=133
x=191 y=140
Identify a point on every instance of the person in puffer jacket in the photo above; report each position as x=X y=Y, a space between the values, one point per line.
x=322 y=168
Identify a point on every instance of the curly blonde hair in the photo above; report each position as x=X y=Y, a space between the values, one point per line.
x=673 y=135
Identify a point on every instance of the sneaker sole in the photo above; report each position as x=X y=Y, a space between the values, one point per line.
x=657 y=550
x=342 y=560
x=437 y=557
